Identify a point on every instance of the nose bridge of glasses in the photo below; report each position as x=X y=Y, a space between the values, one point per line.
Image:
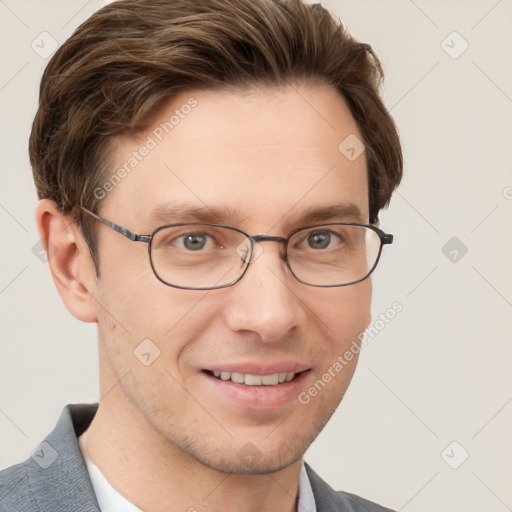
x=256 y=239
x=268 y=238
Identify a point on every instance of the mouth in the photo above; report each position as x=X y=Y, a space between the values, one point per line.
x=248 y=379
x=248 y=386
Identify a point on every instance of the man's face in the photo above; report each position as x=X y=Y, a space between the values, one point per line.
x=262 y=158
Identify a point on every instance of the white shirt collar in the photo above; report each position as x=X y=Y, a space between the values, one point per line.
x=110 y=500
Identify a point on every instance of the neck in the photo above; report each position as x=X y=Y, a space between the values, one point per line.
x=154 y=474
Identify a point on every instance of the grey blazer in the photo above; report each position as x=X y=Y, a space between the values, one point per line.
x=55 y=477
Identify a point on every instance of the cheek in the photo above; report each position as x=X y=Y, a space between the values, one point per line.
x=143 y=315
x=342 y=319
x=346 y=312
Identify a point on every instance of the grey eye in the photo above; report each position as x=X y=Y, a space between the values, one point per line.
x=194 y=242
x=319 y=239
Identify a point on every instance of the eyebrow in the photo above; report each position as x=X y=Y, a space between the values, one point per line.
x=341 y=211
x=185 y=212
x=170 y=212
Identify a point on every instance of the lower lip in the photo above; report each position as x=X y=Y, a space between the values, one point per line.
x=258 y=397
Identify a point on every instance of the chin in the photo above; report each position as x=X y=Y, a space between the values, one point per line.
x=254 y=463
x=250 y=458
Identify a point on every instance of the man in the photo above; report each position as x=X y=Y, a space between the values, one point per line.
x=210 y=174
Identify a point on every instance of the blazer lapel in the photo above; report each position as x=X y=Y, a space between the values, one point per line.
x=56 y=470
x=329 y=500
x=326 y=498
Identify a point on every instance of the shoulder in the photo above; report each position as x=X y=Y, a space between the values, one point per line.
x=329 y=500
x=55 y=476
x=15 y=489
x=360 y=504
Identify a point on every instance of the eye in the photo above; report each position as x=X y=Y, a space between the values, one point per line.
x=194 y=241
x=321 y=239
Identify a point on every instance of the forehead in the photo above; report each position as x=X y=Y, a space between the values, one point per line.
x=261 y=156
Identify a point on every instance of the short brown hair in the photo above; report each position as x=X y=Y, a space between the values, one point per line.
x=131 y=56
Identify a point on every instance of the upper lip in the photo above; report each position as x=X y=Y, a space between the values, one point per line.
x=260 y=369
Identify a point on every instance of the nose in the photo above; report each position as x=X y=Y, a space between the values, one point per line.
x=265 y=300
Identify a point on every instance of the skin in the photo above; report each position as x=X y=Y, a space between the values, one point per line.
x=160 y=435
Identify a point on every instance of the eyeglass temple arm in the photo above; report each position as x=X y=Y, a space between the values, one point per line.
x=128 y=234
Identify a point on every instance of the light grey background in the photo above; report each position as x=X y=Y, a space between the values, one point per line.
x=440 y=371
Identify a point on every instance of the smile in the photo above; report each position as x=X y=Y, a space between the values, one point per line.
x=254 y=380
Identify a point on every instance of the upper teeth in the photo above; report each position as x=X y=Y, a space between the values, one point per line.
x=256 y=380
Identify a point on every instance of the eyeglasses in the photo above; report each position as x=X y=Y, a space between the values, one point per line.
x=200 y=256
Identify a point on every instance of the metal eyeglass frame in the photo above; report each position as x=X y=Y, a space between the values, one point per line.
x=385 y=239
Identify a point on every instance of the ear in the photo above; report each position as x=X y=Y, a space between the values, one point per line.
x=70 y=262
